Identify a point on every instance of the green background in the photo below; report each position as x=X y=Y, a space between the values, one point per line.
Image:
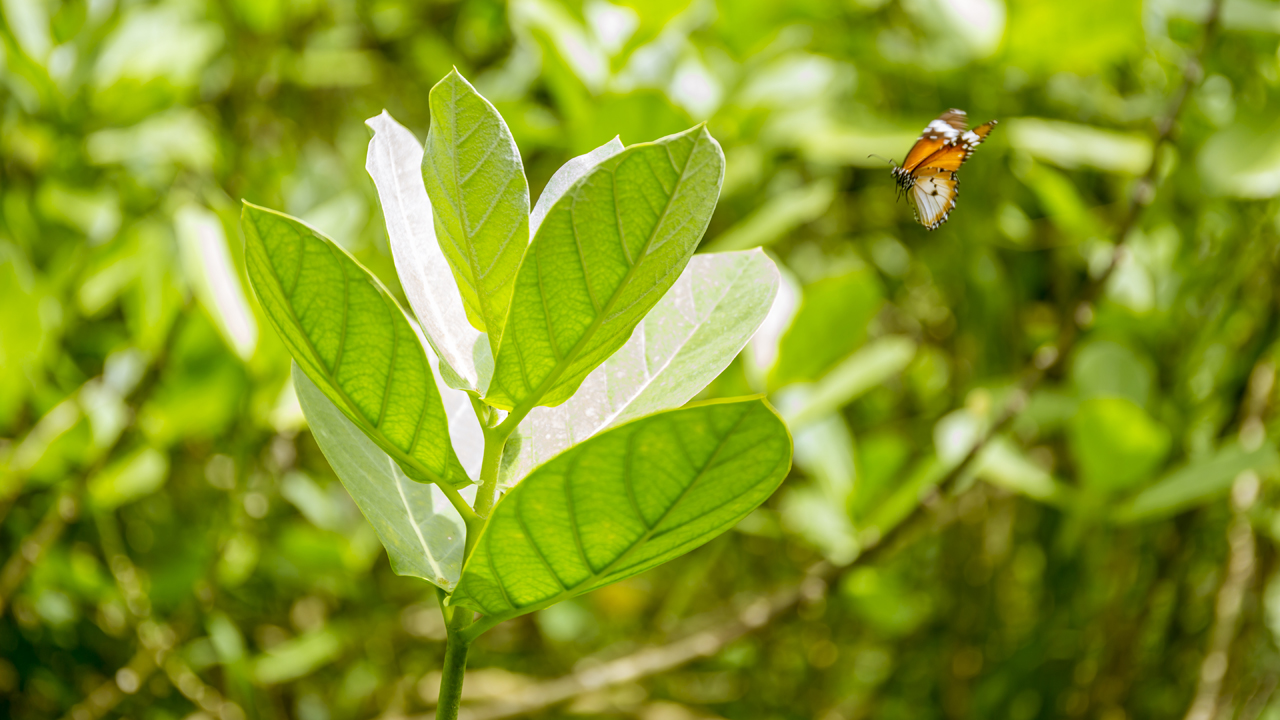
x=155 y=466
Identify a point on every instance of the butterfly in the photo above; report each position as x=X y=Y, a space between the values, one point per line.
x=928 y=173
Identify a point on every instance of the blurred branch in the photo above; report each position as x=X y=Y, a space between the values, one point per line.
x=733 y=624
x=704 y=642
x=156 y=639
x=1241 y=561
x=62 y=510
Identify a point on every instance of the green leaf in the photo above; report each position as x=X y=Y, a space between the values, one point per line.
x=394 y=162
x=214 y=277
x=832 y=322
x=352 y=339
x=865 y=369
x=133 y=476
x=1197 y=482
x=604 y=255
x=777 y=218
x=566 y=176
x=688 y=338
x=622 y=502
x=1116 y=444
x=421 y=530
x=1107 y=369
x=476 y=183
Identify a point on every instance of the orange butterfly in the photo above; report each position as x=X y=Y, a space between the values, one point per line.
x=928 y=173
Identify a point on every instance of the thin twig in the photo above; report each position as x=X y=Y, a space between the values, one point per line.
x=1241 y=562
x=62 y=510
x=655 y=660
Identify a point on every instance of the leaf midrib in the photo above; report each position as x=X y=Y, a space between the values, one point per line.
x=360 y=420
x=549 y=382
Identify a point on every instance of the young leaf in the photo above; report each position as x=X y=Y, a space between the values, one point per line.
x=607 y=251
x=423 y=533
x=623 y=502
x=352 y=339
x=688 y=338
x=395 y=164
x=476 y=182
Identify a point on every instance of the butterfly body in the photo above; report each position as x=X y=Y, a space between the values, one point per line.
x=928 y=173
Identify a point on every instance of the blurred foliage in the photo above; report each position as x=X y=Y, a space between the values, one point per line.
x=161 y=498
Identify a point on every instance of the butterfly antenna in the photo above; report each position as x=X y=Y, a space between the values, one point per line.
x=891 y=162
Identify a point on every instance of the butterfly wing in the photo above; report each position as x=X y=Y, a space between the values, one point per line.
x=934 y=195
x=951 y=155
x=947 y=128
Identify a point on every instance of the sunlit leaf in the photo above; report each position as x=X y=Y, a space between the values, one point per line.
x=475 y=178
x=566 y=176
x=604 y=255
x=623 y=502
x=395 y=164
x=688 y=338
x=352 y=339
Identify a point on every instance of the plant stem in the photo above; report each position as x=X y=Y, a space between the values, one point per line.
x=473 y=521
x=455 y=665
x=494 y=442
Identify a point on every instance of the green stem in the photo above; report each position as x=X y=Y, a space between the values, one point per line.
x=469 y=518
x=494 y=442
x=455 y=665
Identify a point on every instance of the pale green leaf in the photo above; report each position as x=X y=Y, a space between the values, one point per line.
x=688 y=338
x=1103 y=368
x=296 y=657
x=603 y=257
x=1003 y=463
x=352 y=339
x=214 y=276
x=421 y=530
x=129 y=478
x=1116 y=444
x=777 y=218
x=1197 y=482
x=831 y=323
x=475 y=179
x=395 y=164
x=1071 y=145
x=865 y=369
x=622 y=502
